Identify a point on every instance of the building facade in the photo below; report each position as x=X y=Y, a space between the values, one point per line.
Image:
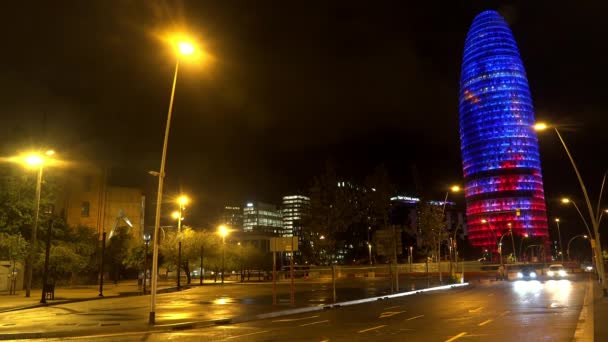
x=89 y=201
x=500 y=157
x=232 y=216
x=263 y=218
x=295 y=209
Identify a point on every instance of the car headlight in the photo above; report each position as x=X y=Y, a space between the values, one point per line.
x=532 y=275
x=589 y=268
x=520 y=275
x=562 y=273
x=550 y=273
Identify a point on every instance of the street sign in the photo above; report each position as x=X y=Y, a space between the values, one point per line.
x=284 y=244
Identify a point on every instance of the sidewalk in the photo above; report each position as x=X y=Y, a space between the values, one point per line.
x=79 y=293
x=600 y=314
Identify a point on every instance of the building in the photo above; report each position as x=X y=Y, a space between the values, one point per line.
x=89 y=201
x=261 y=217
x=232 y=216
x=295 y=209
x=500 y=157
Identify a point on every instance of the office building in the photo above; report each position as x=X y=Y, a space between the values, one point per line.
x=500 y=157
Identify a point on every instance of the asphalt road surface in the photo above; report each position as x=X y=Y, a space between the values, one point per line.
x=501 y=311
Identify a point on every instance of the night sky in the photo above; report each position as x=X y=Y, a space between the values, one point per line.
x=290 y=86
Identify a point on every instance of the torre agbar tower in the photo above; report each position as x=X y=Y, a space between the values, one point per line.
x=500 y=158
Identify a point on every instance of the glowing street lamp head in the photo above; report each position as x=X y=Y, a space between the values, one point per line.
x=585 y=236
x=175 y=215
x=484 y=221
x=50 y=153
x=565 y=200
x=33 y=160
x=540 y=126
x=223 y=231
x=183 y=200
x=526 y=235
x=557 y=219
x=455 y=188
x=185 y=48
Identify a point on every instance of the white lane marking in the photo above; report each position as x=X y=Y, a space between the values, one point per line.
x=477 y=310
x=485 y=322
x=253 y=333
x=456 y=337
x=303 y=325
x=504 y=313
x=392 y=307
x=370 y=329
x=294 y=319
x=390 y=314
x=411 y=318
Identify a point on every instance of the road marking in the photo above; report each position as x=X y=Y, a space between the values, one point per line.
x=504 y=313
x=491 y=294
x=485 y=322
x=374 y=328
x=294 y=319
x=456 y=337
x=390 y=314
x=303 y=325
x=411 y=318
x=253 y=333
x=477 y=310
x=392 y=307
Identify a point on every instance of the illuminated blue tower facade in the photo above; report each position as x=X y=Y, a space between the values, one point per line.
x=501 y=162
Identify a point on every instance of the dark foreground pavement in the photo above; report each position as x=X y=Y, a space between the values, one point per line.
x=194 y=307
x=503 y=311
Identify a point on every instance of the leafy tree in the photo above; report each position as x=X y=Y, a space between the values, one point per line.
x=377 y=204
x=13 y=247
x=117 y=250
x=431 y=228
x=334 y=209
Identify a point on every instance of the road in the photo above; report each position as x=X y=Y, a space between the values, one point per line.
x=502 y=311
x=209 y=302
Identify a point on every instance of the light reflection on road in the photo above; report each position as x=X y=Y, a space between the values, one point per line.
x=556 y=292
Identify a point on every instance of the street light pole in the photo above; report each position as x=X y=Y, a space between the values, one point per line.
x=46 y=261
x=159 y=198
x=179 y=247
x=30 y=257
x=146 y=242
x=569 y=242
x=596 y=244
x=559 y=235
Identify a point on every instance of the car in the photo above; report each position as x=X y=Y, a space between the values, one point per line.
x=527 y=273
x=557 y=271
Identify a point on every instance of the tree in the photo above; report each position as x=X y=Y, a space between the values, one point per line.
x=431 y=229
x=377 y=204
x=14 y=248
x=334 y=209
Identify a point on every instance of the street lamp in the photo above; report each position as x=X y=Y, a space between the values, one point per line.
x=569 y=242
x=178 y=215
x=183 y=48
x=146 y=243
x=596 y=244
x=602 y=215
x=223 y=231
x=34 y=160
x=559 y=235
x=521 y=243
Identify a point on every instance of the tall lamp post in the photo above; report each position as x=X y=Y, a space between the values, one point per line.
x=179 y=216
x=594 y=215
x=454 y=188
x=559 y=235
x=223 y=231
x=521 y=243
x=184 y=48
x=34 y=160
